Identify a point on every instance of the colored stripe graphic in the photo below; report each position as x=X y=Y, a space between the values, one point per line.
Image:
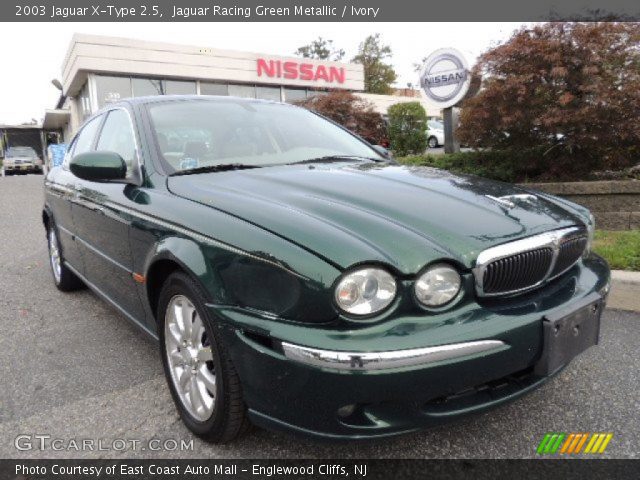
x=581 y=443
x=573 y=443
x=607 y=439
x=567 y=443
x=593 y=440
x=543 y=443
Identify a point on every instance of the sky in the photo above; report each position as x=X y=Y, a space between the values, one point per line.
x=32 y=54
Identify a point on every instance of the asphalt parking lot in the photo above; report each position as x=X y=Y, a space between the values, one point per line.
x=73 y=368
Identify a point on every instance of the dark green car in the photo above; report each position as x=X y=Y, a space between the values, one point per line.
x=299 y=279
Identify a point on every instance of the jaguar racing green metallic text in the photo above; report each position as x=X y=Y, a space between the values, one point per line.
x=299 y=279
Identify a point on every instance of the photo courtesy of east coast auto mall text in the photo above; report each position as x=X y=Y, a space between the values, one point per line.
x=332 y=239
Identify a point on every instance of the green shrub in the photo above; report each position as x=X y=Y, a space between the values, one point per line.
x=505 y=165
x=407 y=128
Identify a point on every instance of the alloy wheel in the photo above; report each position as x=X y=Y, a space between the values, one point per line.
x=54 y=255
x=189 y=356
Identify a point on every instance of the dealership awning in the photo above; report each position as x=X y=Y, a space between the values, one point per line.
x=55 y=119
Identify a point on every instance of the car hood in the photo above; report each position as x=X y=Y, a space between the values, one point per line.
x=398 y=215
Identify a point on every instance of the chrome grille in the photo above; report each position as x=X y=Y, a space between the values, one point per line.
x=525 y=264
x=517 y=271
x=570 y=251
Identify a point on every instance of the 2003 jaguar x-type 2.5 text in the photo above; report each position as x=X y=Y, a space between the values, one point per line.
x=298 y=278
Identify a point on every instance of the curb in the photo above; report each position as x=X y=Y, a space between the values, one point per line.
x=625 y=291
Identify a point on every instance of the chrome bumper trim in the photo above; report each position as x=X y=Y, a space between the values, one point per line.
x=364 y=361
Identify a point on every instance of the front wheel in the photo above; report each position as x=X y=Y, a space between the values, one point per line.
x=203 y=382
x=432 y=142
x=63 y=277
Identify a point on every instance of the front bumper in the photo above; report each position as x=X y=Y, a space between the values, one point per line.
x=350 y=390
x=22 y=168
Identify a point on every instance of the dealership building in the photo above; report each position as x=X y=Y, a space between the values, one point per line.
x=98 y=70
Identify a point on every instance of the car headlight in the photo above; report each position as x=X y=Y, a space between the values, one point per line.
x=591 y=229
x=438 y=285
x=365 y=291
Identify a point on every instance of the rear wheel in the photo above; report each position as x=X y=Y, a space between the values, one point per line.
x=203 y=382
x=432 y=142
x=63 y=277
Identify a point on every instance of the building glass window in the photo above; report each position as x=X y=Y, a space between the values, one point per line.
x=268 y=93
x=316 y=93
x=147 y=86
x=294 y=94
x=112 y=89
x=245 y=91
x=84 y=103
x=179 y=87
x=214 y=88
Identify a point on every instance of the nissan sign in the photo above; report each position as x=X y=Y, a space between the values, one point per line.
x=445 y=78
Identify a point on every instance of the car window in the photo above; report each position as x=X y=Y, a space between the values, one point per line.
x=85 y=137
x=83 y=140
x=21 y=152
x=117 y=136
x=201 y=133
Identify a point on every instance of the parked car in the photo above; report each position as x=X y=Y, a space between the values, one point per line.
x=21 y=160
x=435 y=134
x=298 y=279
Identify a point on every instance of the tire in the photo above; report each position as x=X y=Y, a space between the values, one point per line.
x=64 y=279
x=432 y=142
x=216 y=412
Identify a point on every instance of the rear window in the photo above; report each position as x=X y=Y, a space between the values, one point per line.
x=21 y=152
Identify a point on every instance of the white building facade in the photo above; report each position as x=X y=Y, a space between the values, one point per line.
x=98 y=70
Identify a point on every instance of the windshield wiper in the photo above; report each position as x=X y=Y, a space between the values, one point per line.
x=335 y=158
x=213 y=168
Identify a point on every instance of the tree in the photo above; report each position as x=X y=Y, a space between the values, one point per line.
x=568 y=90
x=352 y=112
x=321 y=49
x=407 y=128
x=378 y=75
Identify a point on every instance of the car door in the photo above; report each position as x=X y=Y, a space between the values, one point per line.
x=102 y=222
x=60 y=192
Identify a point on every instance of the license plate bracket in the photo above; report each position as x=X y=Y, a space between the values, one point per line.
x=568 y=332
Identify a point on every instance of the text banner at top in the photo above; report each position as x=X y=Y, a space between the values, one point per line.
x=315 y=11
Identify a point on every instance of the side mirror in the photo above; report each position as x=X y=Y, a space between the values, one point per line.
x=98 y=166
x=382 y=151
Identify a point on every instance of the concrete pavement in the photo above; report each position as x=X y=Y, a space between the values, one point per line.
x=625 y=290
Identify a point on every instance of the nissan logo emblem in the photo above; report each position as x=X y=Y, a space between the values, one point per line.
x=445 y=78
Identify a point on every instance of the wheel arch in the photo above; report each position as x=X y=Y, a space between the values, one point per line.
x=175 y=255
x=47 y=216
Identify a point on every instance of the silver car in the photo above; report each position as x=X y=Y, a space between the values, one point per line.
x=21 y=160
x=435 y=134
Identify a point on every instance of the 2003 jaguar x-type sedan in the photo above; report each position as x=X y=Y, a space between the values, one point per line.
x=300 y=279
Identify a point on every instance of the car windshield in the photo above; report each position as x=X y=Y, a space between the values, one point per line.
x=196 y=134
x=435 y=125
x=21 y=152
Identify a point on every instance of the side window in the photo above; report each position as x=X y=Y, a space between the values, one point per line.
x=117 y=136
x=87 y=134
x=83 y=140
